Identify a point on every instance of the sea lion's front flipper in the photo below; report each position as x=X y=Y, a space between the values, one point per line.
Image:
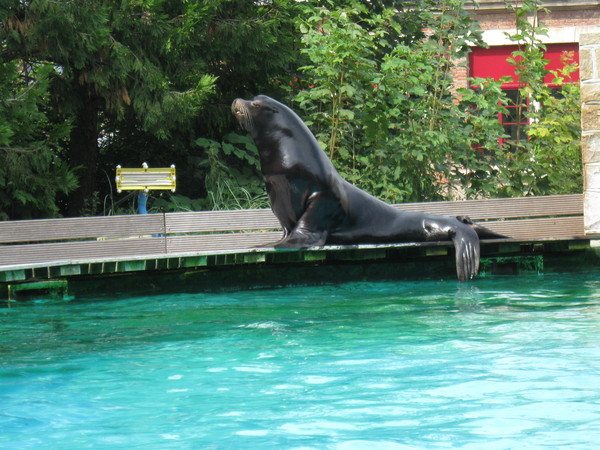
x=302 y=237
x=466 y=244
x=304 y=234
x=313 y=227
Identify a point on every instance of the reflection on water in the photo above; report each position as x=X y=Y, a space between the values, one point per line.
x=503 y=362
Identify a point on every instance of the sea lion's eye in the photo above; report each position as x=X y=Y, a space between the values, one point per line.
x=255 y=104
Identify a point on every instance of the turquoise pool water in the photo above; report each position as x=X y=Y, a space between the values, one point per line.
x=501 y=362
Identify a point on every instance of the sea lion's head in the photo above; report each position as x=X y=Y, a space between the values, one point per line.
x=253 y=114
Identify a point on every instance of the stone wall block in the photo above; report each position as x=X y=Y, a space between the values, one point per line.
x=590 y=145
x=590 y=93
x=586 y=65
x=591 y=199
x=589 y=39
x=591 y=217
x=590 y=116
x=589 y=64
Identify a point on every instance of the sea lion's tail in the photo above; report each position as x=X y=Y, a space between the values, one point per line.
x=482 y=232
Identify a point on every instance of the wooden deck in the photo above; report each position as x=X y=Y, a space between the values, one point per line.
x=55 y=248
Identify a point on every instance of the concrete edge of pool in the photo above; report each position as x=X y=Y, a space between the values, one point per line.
x=267 y=268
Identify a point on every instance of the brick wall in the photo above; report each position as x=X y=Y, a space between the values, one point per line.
x=589 y=53
x=459 y=73
x=555 y=19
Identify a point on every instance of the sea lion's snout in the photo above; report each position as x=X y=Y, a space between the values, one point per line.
x=237 y=106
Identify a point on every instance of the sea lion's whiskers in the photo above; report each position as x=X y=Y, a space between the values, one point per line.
x=242 y=113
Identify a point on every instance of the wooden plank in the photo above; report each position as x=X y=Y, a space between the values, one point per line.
x=79 y=251
x=220 y=242
x=214 y=221
x=504 y=208
x=541 y=228
x=525 y=229
x=183 y=239
x=80 y=228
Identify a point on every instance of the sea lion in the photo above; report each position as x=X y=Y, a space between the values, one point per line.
x=316 y=206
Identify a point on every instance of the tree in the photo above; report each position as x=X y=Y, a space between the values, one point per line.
x=547 y=158
x=385 y=111
x=86 y=85
x=31 y=171
x=383 y=106
x=142 y=80
x=109 y=56
x=251 y=48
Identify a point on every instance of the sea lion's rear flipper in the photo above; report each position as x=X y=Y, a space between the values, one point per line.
x=466 y=244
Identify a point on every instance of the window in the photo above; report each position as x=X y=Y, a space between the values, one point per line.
x=514 y=120
x=492 y=63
